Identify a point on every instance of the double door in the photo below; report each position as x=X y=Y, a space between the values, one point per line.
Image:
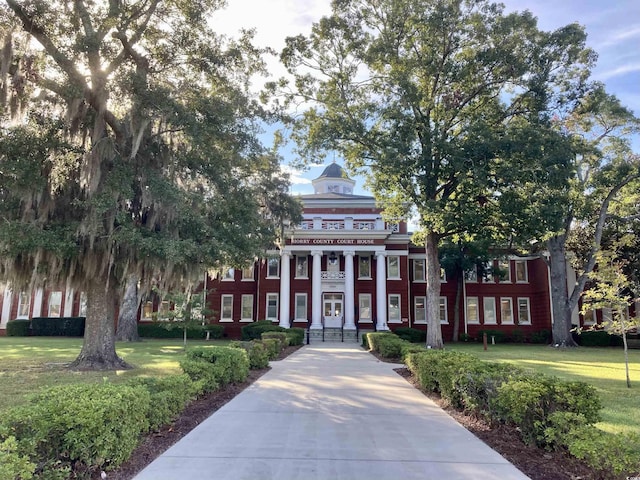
x=333 y=312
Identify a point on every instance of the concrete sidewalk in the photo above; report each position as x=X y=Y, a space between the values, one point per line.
x=330 y=411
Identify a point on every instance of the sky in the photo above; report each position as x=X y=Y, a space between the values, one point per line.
x=613 y=28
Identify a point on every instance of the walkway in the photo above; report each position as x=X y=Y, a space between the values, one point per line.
x=328 y=412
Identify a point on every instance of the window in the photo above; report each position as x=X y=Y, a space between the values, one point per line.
x=246 y=311
x=506 y=310
x=443 y=276
x=589 y=317
x=55 y=304
x=394 y=309
x=247 y=273
x=504 y=271
x=419 y=270
x=471 y=275
x=444 y=317
x=333 y=188
x=301 y=306
x=83 y=304
x=524 y=312
x=489 y=304
x=272 y=306
x=226 y=308
x=420 y=310
x=393 y=267
x=472 y=310
x=147 y=311
x=163 y=310
x=229 y=274
x=521 y=271
x=364 y=307
x=302 y=266
x=273 y=267
x=487 y=272
x=364 y=266
x=24 y=301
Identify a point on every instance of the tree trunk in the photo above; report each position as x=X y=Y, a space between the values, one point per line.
x=98 y=349
x=626 y=357
x=434 y=330
x=561 y=327
x=456 y=308
x=127 y=330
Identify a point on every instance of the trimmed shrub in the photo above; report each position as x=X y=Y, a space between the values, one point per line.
x=202 y=373
x=295 y=336
x=499 y=336
x=57 y=327
x=595 y=338
x=169 y=396
x=230 y=365
x=408 y=348
x=542 y=336
x=169 y=330
x=91 y=427
x=254 y=331
x=412 y=335
x=272 y=346
x=214 y=330
x=257 y=352
x=18 y=328
x=283 y=340
x=12 y=464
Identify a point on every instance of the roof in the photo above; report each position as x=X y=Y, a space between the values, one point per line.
x=334 y=196
x=334 y=171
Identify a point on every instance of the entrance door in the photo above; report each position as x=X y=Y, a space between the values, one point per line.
x=332 y=310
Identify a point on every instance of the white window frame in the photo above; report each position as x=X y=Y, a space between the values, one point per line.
x=247 y=274
x=443 y=275
x=420 y=319
x=444 y=319
x=416 y=262
x=146 y=312
x=300 y=316
x=224 y=299
x=367 y=297
x=368 y=262
x=590 y=317
x=246 y=302
x=396 y=298
x=228 y=275
x=302 y=259
x=271 y=296
x=504 y=268
x=273 y=262
x=393 y=275
x=509 y=301
x=472 y=301
x=24 y=304
x=58 y=294
x=526 y=272
x=489 y=307
x=528 y=310
x=163 y=310
x=487 y=272
x=471 y=276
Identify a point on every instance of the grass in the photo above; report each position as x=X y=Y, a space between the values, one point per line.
x=600 y=367
x=28 y=364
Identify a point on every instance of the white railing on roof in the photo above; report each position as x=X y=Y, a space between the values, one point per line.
x=332 y=275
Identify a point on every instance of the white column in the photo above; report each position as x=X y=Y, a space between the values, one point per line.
x=285 y=288
x=68 y=303
x=37 y=303
x=349 y=291
x=381 y=291
x=316 y=290
x=6 y=307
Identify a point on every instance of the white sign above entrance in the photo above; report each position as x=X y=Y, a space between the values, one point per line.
x=335 y=241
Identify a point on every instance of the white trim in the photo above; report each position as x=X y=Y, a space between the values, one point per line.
x=443 y=301
x=278 y=268
x=466 y=310
x=306 y=267
x=389 y=277
x=399 y=297
x=242 y=305
x=487 y=301
x=27 y=297
x=510 y=301
x=368 y=319
x=222 y=301
x=57 y=293
x=526 y=271
x=277 y=307
x=416 y=320
x=508 y=271
x=296 y=318
x=528 y=304
x=423 y=261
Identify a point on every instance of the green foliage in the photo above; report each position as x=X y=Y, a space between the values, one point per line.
x=254 y=331
x=257 y=352
x=498 y=336
x=594 y=338
x=214 y=330
x=202 y=373
x=12 y=464
x=296 y=336
x=272 y=345
x=478 y=385
x=412 y=335
x=89 y=427
x=283 y=339
x=168 y=396
x=541 y=336
x=169 y=330
x=57 y=327
x=231 y=365
x=18 y=328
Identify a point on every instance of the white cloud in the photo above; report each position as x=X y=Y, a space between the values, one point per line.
x=621 y=36
x=295 y=175
x=621 y=70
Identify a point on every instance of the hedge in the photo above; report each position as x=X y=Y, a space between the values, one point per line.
x=283 y=340
x=18 y=328
x=412 y=335
x=215 y=366
x=598 y=338
x=214 y=330
x=57 y=327
x=257 y=352
x=254 y=331
x=272 y=346
x=169 y=330
x=295 y=336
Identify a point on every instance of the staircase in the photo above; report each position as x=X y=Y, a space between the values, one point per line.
x=332 y=335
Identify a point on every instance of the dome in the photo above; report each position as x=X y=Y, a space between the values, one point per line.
x=333 y=171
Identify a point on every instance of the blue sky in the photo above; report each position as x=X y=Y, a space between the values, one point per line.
x=613 y=29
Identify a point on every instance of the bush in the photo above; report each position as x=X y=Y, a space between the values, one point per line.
x=258 y=354
x=517 y=336
x=214 y=330
x=12 y=464
x=230 y=365
x=283 y=340
x=18 y=328
x=296 y=336
x=272 y=346
x=57 y=327
x=408 y=348
x=498 y=336
x=169 y=330
x=254 y=331
x=88 y=426
x=542 y=337
x=412 y=335
x=202 y=373
x=595 y=338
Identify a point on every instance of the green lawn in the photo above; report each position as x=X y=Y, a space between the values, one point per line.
x=28 y=364
x=601 y=367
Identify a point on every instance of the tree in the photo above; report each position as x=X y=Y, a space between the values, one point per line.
x=127 y=329
x=135 y=152
x=423 y=95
